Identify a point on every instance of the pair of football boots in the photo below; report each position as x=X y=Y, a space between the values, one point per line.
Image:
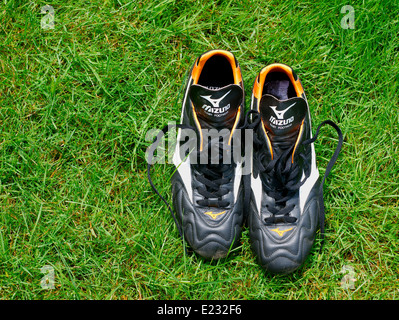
x=257 y=168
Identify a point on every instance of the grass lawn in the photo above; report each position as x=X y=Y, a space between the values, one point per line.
x=77 y=101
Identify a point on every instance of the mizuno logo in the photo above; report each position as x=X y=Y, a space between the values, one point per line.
x=214 y=215
x=283 y=122
x=280 y=114
x=281 y=232
x=215 y=107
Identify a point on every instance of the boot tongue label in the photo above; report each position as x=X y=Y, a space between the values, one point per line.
x=216 y=108
x=281 y=117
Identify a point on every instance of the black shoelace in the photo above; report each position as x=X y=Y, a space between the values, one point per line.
x=213 y=176
x=281 y=177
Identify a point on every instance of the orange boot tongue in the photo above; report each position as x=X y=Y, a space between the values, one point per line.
x=216 y=108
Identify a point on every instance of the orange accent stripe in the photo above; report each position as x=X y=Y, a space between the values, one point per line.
x=235 y=125
x=268 y=140
x=258 y=86
x=297 y=140
x=196 y=71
